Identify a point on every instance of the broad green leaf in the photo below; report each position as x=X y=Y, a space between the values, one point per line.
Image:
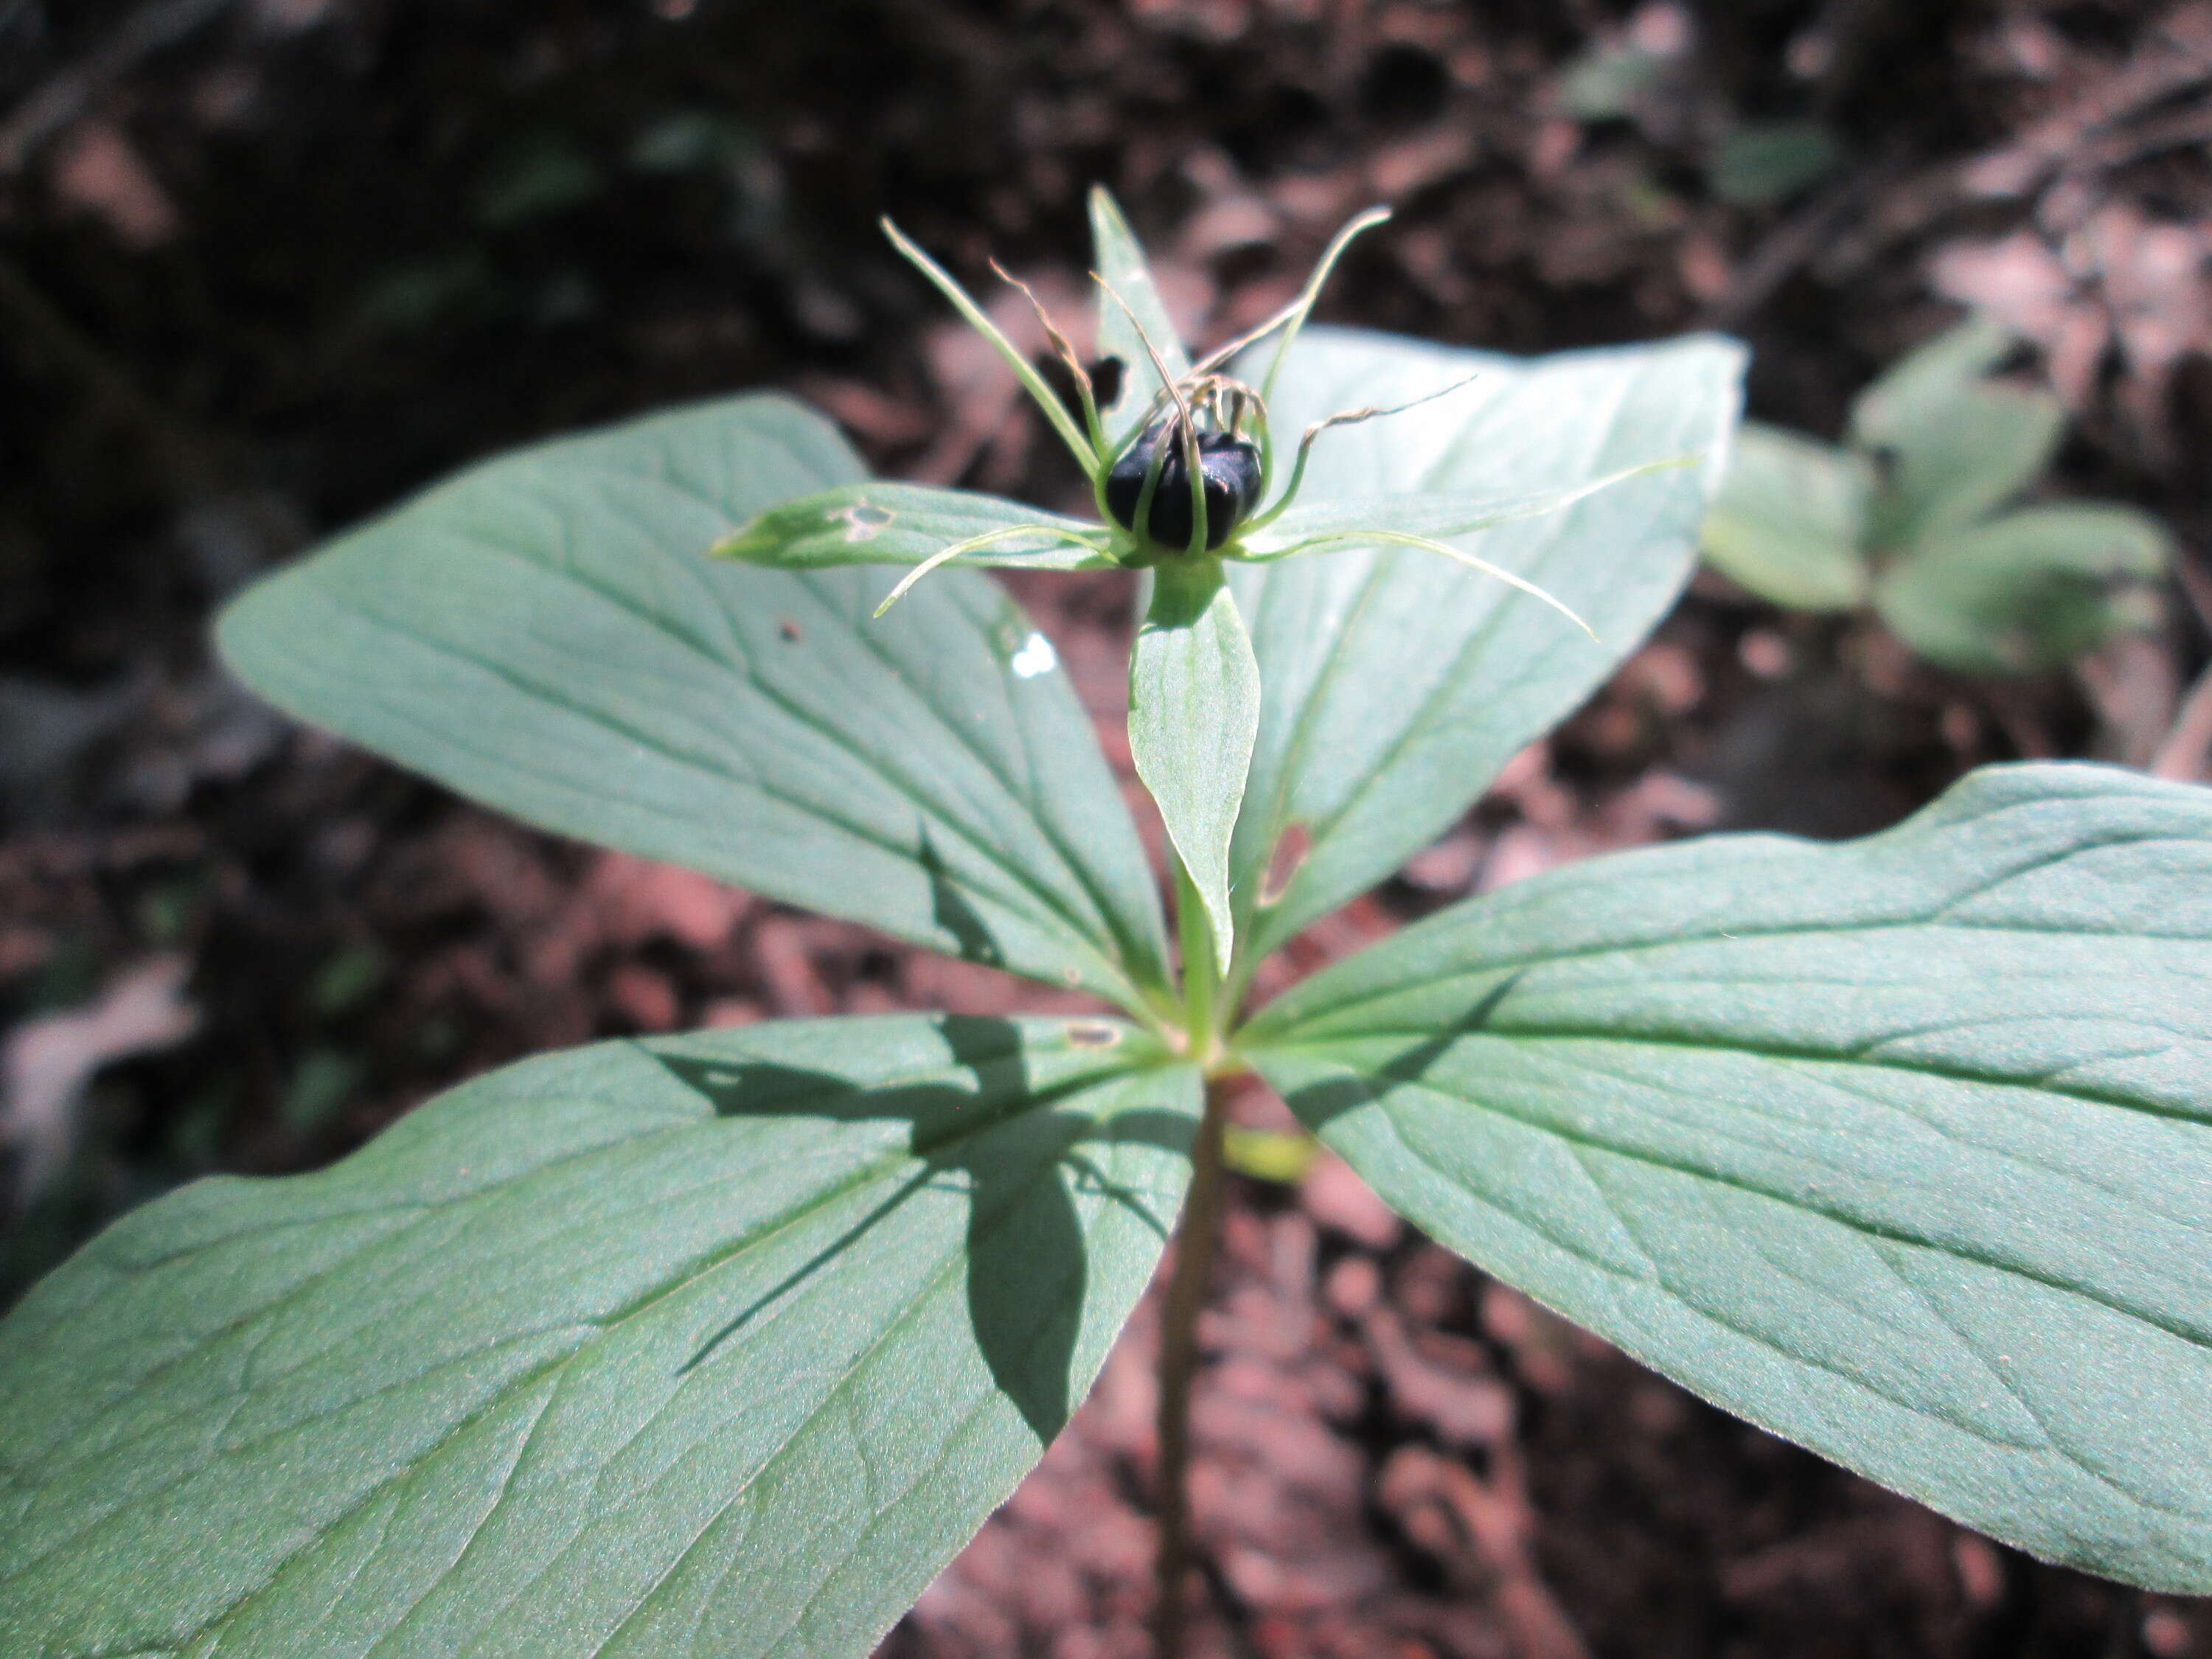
x=1900 y=1148
x=1193 y=708
x=877 y=522
x=1609 y=82
x=1397 y=682
x=1951 y=443
x=1761 y=163
x=1120 y=265
x=1789 y=520
x=714 y=1345
x=545 y=633
x=2031 y=590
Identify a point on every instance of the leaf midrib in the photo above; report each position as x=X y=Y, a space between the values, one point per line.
x=1377 y=1094
x=1875 y=1234
x=520 y=1384
x=1289 y=1012
x=1014 y=899
x=1419 y=720
x=1043 y=1099
x=1024 y=878
x=1133 y=949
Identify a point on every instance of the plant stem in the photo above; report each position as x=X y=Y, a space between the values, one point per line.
x=1194 y=1265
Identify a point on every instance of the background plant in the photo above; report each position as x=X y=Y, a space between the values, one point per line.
x=1909 y=515
x=724 y=1343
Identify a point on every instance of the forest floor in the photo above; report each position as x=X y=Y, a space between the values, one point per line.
x=267 y=265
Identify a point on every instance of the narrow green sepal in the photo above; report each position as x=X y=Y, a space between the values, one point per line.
x=878 y=523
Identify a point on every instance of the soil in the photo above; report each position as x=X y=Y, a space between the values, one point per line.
x=266 y=266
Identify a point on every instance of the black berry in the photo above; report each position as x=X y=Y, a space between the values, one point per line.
x=1228 y=467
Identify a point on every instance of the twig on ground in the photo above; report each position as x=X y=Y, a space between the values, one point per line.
x=1484 y=1539
x=187 y=462
x=150 y=29
x=2183 y=753
x=2196 y=582
x=2086 y=138
x=2175 y=57
x=1782 y=251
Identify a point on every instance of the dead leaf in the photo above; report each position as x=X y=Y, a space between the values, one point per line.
x=99 y=171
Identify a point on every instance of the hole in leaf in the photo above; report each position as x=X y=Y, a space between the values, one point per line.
x=1106 y=377
x=863 y=522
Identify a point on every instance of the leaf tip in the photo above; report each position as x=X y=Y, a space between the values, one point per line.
x=740 y=543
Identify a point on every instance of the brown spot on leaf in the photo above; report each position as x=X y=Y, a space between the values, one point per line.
x=1092 y=1034
x=1284 y=863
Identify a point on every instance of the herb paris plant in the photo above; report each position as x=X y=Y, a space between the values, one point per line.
x=1180 y=471
x=723 y=1344
x=1908 y=516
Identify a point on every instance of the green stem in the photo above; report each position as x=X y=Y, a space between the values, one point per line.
x=1195 y=1240
x=1237 y=980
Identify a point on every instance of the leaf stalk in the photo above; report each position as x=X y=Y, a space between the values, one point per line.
x=1196 y=1240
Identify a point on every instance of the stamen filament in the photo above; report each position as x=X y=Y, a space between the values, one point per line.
x=946 y=555
x=1342 y=417
x=1066 y=353
x=1295 y=310
x=1174 y=389
x=1401 y=538
x=1302 y=307
x=1086 y=455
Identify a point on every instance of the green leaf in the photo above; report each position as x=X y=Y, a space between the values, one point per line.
x=1761 y=163
x=1283 y=1156
x=1788 y=522
x=2031 y=590
x=1194 y=709
x=544 y=633
x=721 y=1343
x=878 y=523
x=1398 y=683
x=1122 y=266
x=1899 y=1148
x=1952 y=444
x=1606 y=82
x=546 y=174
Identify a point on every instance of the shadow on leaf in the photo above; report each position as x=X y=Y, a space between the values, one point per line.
x=1021 y=1163
x=950 y=909
x=1319 y=1102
